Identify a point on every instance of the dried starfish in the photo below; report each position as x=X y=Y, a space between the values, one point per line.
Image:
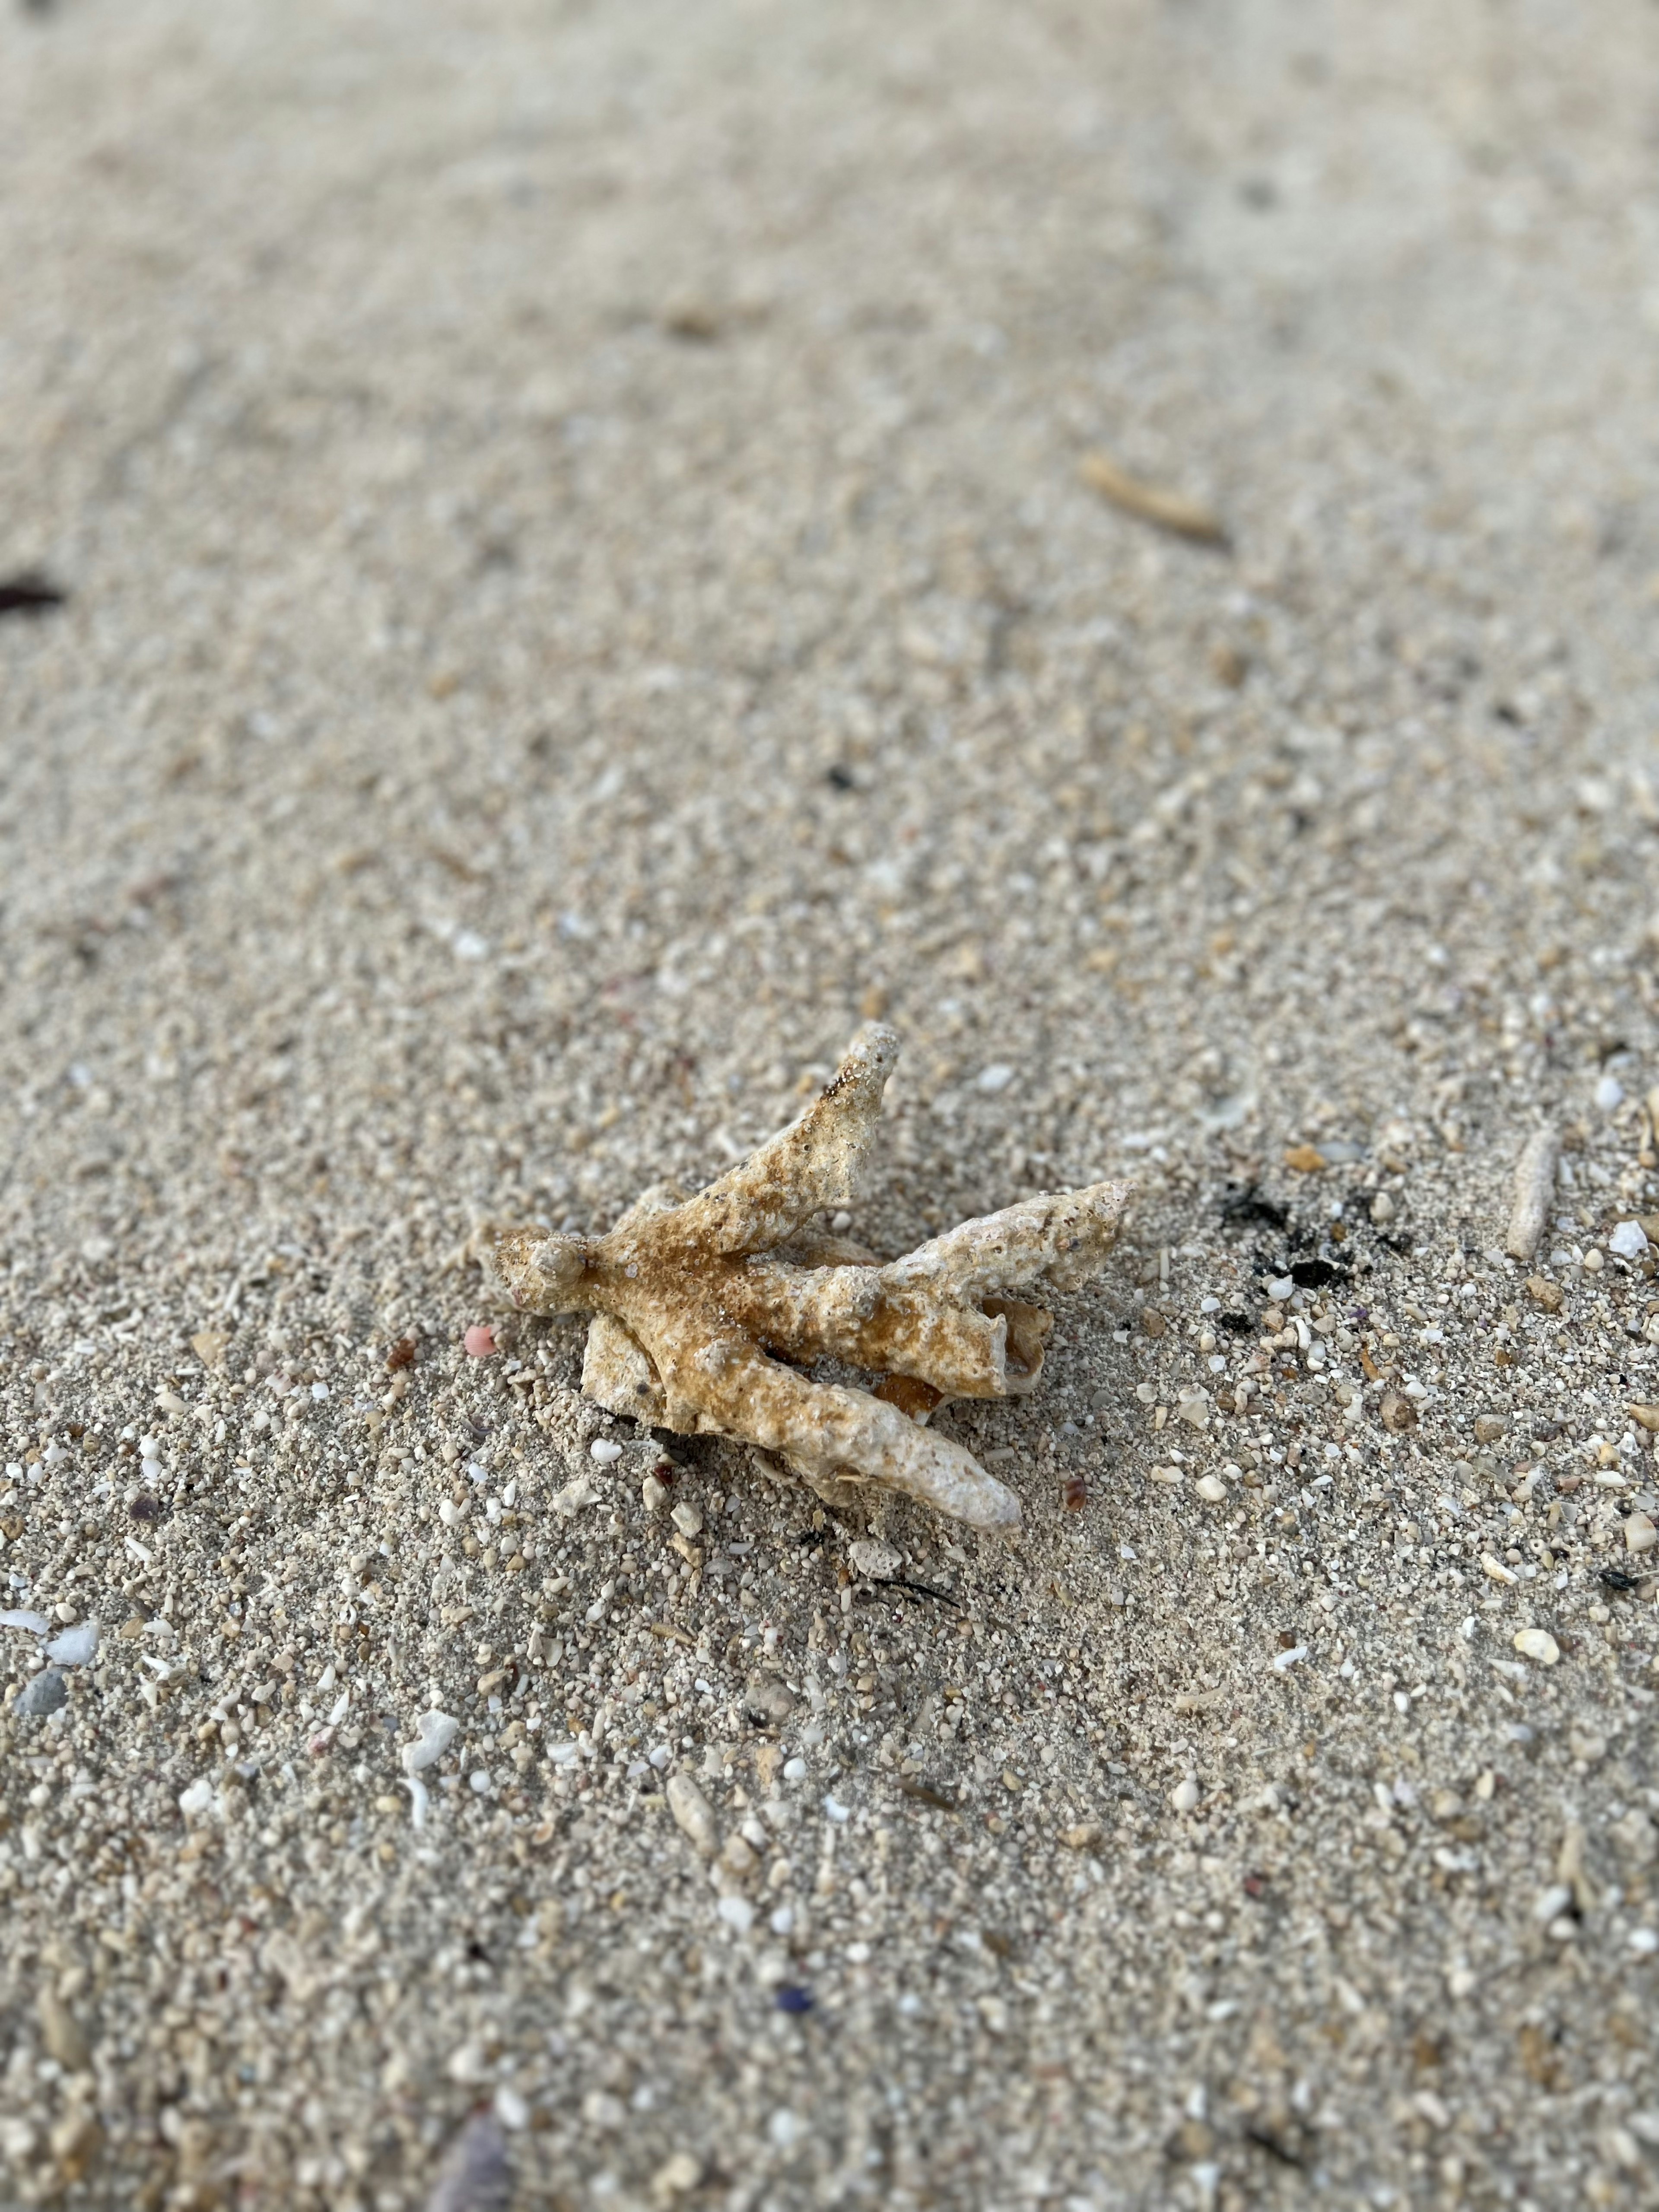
x=698 y=1302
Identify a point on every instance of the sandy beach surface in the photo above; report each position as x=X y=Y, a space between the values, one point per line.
x=594 y=558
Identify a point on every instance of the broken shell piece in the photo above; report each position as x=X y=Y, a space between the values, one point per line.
x=1537 y=1643
x=697 y=1303
x=437 y=1732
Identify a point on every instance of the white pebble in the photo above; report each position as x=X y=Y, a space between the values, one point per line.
x=1629 y=1240
x=419 y=1800
x=1645 y=1942
x=511 y=2108
x=1281 y=1286
x=565 y=1753
x=1609 y=1093
x=794 y=1769
x=1554 y=1899
x=995 y=1077
x=834 y=1810
x=197 y=1801
x=1184 y=1795
x=1640 y=1534
x=1211 y=1488
x=1284 y=1659
x=738 y=1913
x=320 y=1391
x=687 y=1517
x=1537 y=1643
x=35 y=1623
x=478 y=1782
x=652 y=1494
x=604 y=1452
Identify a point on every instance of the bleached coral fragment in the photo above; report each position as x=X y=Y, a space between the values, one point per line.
x=697 y=1303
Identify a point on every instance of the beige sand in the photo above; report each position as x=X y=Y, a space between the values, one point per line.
x=583 y=589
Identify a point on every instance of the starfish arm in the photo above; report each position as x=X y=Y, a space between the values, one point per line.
x=1065 y=1238
x=851 y=1314
x=809 y=1166
x=826 y=1431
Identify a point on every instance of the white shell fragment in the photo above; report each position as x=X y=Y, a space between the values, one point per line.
x=35 y=1623
x=76 y=1646
x=437 y=1732
x=690 y=1297
x=1537 y=1643
x=1629 y=1240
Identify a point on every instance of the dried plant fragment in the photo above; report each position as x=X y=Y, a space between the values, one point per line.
x=706 y=1308
x=1168 y=509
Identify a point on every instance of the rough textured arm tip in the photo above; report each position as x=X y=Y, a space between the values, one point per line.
x=545 y=1274
x=811 y=1165
x=1064 y=1238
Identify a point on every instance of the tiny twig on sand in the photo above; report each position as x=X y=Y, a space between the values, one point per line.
x=1168 y=509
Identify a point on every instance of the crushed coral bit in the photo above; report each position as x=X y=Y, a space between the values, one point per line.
x=691 y=1295
x=479 y=1342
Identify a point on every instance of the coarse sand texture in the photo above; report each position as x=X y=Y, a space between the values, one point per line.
x=558 y=563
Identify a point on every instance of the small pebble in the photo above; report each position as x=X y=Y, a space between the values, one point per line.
x=43 y=1693
x=676 y=2176
x=1184 y=1795
x=1609 y=1094
x=1629 y=1240
x=652 y=1494
x=475 y=2176
x=878 y=1561
x=1639 y=1533
x=1212 y=1489
x=738 y=1913
x=604 y=1452
x=1537 y=1643
x=694 y=1816
x=687 y=1517
x=479 y=1342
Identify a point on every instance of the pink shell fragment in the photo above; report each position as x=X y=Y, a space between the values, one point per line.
x=480 y=1342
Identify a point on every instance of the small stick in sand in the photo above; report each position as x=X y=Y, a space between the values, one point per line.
x=1166 y=508
x=1535 y=1186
